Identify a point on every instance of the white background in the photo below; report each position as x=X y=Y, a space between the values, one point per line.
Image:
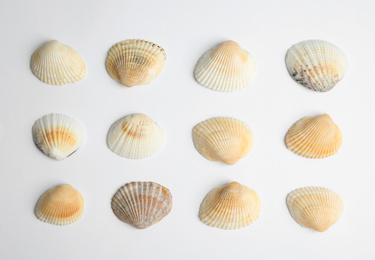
x=270 y=105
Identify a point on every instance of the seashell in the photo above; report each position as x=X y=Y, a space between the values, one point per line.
x=314 y=137
x=58 y=135
x=57 y=64
x=135 y=62
x=314 y=207
x=223 y=139
x=316 y=64
x=142 y=204
x=61 y=205
x=135 y=136
x=225 y=68
x=232 y=206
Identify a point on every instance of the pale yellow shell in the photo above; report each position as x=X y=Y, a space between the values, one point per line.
x=314 y=207
x=314 y=137
x=232 y=206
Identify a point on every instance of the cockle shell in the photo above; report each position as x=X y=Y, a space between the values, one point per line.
x=135 y=136
x=316 y=64
x=225 y=68
x=57 y=64
x=62 y=205
x=58 y=135
x=314 y=137
x=223 y=139
x=142 y=204
x=135 y=62
x=232 y=206
x=314 y=207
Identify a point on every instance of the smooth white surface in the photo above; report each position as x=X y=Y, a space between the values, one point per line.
x=270 y=105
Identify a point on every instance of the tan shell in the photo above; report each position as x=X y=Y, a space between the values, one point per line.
x=314 y=137
x=232 y=206
x=57 y=64
x=62 y=205
x=223 y=139
x=314 y=207
x=225 y=68
x=142 y=204
x=135 y=62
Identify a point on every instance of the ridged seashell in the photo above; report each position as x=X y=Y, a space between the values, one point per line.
x=142 y=204
x=314 y=137
x=58 y=135
x=314 y=207
x=232 y=206
x=57 y=64
x=226 y=68
x=135 y=136
x=62 y=205
x=135 y=62
x=316 y=64
x=223 y=139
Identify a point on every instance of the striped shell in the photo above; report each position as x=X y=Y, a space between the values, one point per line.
x=223 y=139
x=225 y=68
x=316 y=64
x=314 y=207
x=135 y=62
x=314 y=137
x=142 y=204
x=57 y=64
x=58 y=135
x=232 y=206
x=62 y=205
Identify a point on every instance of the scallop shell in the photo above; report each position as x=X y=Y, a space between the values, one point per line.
x=225 y=68
x=135 y=136
x=314 y=137
x=57 y=64
x=135 y=62
x=62 y=205
x=58 y=135
x=316 y=64
x=314 y=207
x=232 y=206
x=142 y=204
x=223 y=139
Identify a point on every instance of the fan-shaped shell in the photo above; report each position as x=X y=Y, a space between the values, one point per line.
x=135 y=62
x=225 y=68
x=314 y=137
x=232 y=206
x=142 y=204
x=314 y=207
x=61 y=205
x=57 y=64
x=223 y=139
x=316 y=64
x=58 y=135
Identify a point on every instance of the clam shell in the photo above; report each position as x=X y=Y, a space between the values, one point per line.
x=58 y=135
x=57 y=64
x=316 y=64
x=142 y=204
x=135 y=136
x=135 y=62
x=223 y=139
x=62 y=205
x=225 y=68
x=314 y=137
x=232 y=206
x=314 y=207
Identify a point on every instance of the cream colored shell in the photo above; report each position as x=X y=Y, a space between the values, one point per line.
x=57 y=64
x=232 y=206
x=135 y=62
x=314 y=207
